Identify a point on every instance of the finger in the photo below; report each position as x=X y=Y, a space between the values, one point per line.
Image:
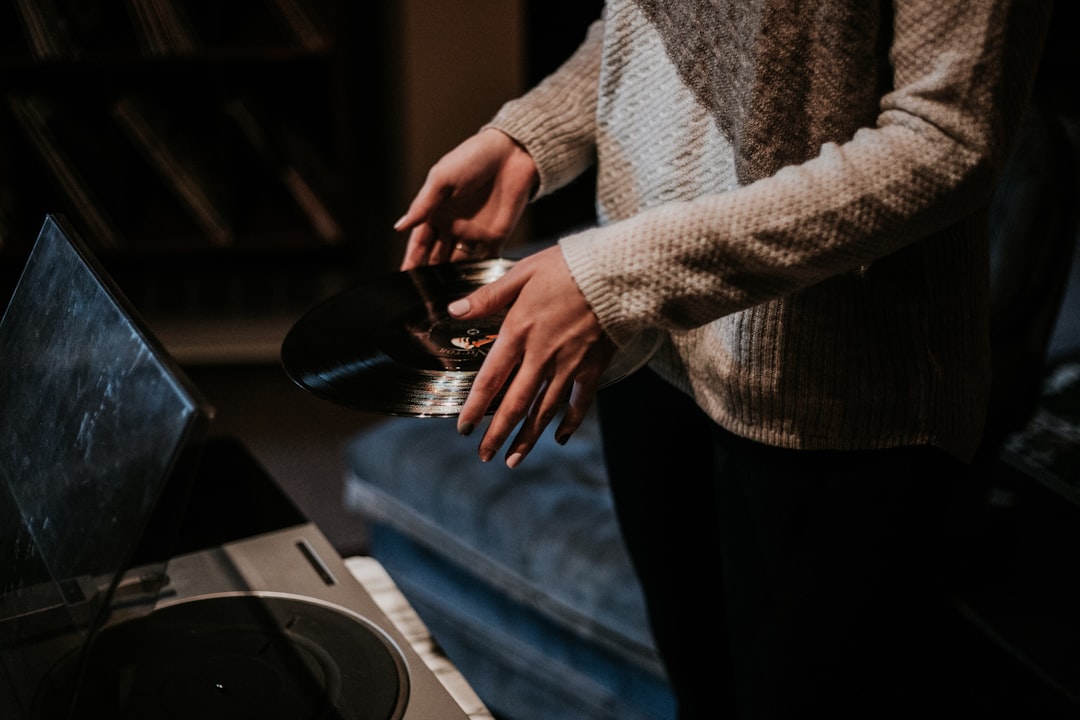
x=496 y=371
x=465 y=251
x=490 y=298
x=544 y=409
x=581 y=400
x=514 y=408
x=499 y=365
x=418 y=249
x=441 y=250
x=423 y=206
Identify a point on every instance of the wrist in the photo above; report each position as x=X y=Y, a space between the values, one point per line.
x=518 y=161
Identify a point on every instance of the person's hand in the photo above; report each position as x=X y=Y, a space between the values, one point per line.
x=470 y=202
x=550 y=353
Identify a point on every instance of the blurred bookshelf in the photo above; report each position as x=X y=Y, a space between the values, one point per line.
x=220 y=157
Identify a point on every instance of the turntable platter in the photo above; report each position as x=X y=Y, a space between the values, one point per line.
x=233 y=657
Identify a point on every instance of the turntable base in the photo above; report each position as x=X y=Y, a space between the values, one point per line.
x=380 y=586
x=334 y=640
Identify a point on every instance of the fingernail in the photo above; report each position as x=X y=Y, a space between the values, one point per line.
x=458 y=307
x=486 y=454
x=465 y=429
x=514 y=460
x=399 y=223
x=563 y=439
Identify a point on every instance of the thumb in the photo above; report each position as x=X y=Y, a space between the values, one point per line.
x=488 y=299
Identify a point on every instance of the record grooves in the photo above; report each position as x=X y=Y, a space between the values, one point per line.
x=391 y=347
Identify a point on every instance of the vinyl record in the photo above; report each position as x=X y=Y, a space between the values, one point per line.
x=390 y=346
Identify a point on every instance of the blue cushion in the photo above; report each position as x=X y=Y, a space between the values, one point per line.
x=523 y=666
x=523 y=570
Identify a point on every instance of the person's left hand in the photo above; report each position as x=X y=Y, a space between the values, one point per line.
x=551 y=351
x=470 y=202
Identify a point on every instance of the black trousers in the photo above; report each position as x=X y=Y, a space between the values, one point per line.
x=784 y=583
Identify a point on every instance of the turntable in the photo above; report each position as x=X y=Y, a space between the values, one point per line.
x=96 y=618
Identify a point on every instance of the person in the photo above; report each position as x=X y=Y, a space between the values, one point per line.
x=794 y=195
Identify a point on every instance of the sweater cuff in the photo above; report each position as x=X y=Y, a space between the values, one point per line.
x=559 y=155
x=577 y=251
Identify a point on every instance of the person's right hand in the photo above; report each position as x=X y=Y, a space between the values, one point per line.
x=470 y=202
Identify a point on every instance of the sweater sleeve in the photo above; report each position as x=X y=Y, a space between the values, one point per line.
x=556 y=121
x=961 y=73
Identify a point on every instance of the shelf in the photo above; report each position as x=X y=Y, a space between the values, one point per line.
x=203 y=150
x=48 y=31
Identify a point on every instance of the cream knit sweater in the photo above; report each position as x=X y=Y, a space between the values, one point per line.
x=794 y=193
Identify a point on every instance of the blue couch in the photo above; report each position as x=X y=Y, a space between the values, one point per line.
x=520 y=575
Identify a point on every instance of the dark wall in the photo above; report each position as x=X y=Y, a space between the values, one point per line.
x=555 y=29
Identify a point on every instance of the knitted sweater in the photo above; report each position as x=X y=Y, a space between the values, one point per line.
x=795 y=195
